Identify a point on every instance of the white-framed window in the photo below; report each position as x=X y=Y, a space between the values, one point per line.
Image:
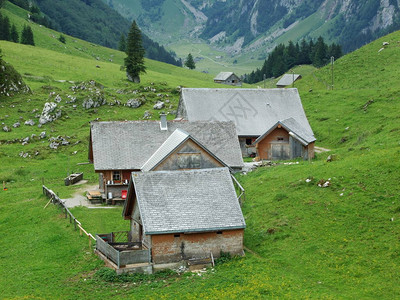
x=116 y=176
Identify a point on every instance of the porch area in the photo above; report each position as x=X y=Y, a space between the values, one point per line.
x=122 y=254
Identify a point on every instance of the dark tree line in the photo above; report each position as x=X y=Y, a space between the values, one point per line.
x=9 y=32
x=285 y=57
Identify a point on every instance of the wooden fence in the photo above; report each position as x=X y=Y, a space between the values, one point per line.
x=240 y=192
x=57 y=201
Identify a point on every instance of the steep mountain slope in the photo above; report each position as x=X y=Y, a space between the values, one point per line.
x=96 y=22
x=240 y=26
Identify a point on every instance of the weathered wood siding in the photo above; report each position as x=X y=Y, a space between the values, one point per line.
x=188 y=156
x=168 y=248
x=122 y=258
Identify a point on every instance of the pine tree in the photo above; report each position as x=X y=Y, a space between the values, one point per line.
x=134 y=62
x=27 y=36
x=14 y=36
x=5 y=28
x=122 y=43
x=189 y=62
x=320 y=53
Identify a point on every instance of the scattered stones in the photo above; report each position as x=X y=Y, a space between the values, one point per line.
x=48 y=114
x=331 y=158
x=159 y=105
x=6 y=129
x=42 y=135
x=30 y=122
x=365 y=106
x=58 y=99
x=17 y=124
x=24 y=154
x=58 y=141
x=385 y=44
x=147 y=115
x=134 y=103
x=324 y=183
x=115 y=103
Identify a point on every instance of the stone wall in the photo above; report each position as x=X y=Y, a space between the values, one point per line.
x=176 y=247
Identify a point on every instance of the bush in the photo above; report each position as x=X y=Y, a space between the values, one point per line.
x=223 y=258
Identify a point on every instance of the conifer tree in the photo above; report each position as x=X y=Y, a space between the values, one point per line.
x=320 y=53
x=27 y=36
x=189 y=62
x=5 y=28
x=14 y=36
x=134 y=62
x=122 y=43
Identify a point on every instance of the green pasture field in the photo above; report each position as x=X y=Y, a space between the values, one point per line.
x=302 y=241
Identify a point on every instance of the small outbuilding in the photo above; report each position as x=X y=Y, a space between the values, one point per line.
x=229 y=78
x=177 y=218
x=286 y=139
x=287 y=79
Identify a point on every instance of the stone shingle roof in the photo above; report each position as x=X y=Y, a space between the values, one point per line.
x=253 y=111
x=223 y=75
x=128 y=145
x=177 y=138
x=187 y=201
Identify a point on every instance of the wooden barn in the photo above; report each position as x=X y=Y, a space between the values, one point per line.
x=287 y=80
x=185 y=215
x=119 y=148
x=254 y=112
x=228 y=78
x=286 y=139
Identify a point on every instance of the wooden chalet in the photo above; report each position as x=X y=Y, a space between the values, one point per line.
x=228 y=78
x=119 y=148
x=180 y=217
x=254 y=112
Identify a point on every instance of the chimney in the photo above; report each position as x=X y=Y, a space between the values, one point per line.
x=163 y=122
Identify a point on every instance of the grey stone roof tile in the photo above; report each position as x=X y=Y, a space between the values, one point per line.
x=128 y=145
x=187 y=201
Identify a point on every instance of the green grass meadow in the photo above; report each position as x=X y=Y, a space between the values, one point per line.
x=302 y=241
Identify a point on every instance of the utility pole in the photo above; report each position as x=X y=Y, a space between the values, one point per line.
x=332 y=63
x=293 y=78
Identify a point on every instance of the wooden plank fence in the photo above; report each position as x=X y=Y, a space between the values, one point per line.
x=57 y=201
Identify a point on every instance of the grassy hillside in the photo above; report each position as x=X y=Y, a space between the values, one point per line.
x=302 y=241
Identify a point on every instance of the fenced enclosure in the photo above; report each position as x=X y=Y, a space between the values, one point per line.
x=117 y=248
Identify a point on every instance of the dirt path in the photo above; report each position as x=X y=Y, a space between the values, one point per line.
x=79 y=198
x=320 y=149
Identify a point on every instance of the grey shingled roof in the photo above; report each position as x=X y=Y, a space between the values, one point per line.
x=298 y=132
x=223 y=75
x=287 y=79
x=187 y=201
x=177 y=138
x=254 y=111
x=128 y=145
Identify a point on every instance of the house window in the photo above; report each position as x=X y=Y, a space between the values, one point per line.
x=116 y=175
x=249 y=141
x=280 y=138
x=177 y=235
x=219 y=232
